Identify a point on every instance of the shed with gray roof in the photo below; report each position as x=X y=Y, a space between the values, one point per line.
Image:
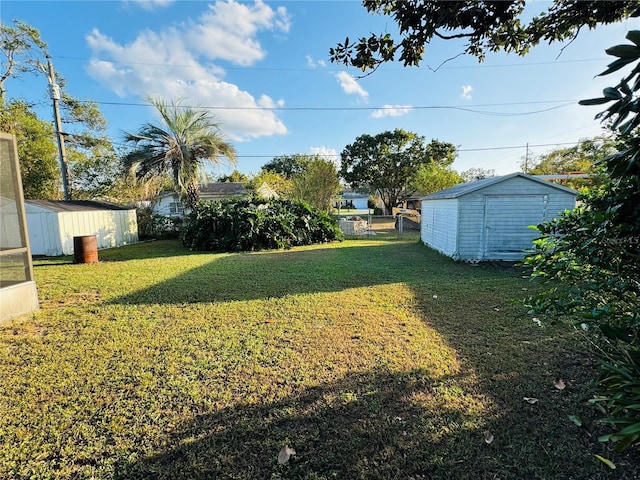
x=52 y=224
x=489 y=219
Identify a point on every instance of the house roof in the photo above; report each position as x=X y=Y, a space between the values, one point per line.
x=470 y=187
x=348 y=192
x=354 y=195
x=215 y=189
x=76 y=205
x=223 y=188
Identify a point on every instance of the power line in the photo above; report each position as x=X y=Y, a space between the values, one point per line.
x=337 y=155
x=517 y=146
x=319 y=70
x=506 y=65
x=481 y=149
x=563 y=103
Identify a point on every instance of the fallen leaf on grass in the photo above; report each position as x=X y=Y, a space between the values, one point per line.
x=488 y=436
x=530 y=400
x=559 y=383
x=285 y=454
x=269 y=320
x=606 y=461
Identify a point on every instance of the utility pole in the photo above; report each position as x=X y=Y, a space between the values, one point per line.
x=526 y=158
x=54 y=90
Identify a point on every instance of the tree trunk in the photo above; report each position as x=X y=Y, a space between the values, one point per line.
x=192 y=196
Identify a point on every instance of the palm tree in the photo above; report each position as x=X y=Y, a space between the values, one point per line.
x=180 y=147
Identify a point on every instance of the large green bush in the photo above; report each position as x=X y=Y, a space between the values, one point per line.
x=588 y=260
x=256 y=224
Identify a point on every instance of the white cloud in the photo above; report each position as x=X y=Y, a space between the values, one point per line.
x=392 y=111
x=177 y=63
x=313 y=63
x=228 y=31
x=327 y=153
x=350 y=86
x=466 y=92
x=324 y=152
x=148 y=5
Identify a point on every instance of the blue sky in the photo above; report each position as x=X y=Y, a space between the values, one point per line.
x=263 y=68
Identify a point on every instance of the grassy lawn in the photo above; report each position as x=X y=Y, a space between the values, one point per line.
x=373 y=358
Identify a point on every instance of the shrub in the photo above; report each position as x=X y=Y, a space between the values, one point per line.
x=152 y=225
x=587 y=263
x=256 y=224
x=587 y=259
x=144 y=216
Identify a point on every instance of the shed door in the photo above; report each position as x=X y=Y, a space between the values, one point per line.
x=507 y=220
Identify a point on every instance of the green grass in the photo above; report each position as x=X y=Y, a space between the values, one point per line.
x=373 y=358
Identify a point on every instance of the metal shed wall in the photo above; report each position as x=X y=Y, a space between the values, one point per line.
x=44 y=231
x=490 y=220
x=500 y=214
x=438 y=225
x=493 y=222
x=51 y=232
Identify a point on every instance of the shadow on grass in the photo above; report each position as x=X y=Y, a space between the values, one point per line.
x=147 y=249
x=379 y=424
x=366 y=425
x=264 y=275
x=45 y=262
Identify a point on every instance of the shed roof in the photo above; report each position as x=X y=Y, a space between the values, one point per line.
x=470 y=187
x=77 y=205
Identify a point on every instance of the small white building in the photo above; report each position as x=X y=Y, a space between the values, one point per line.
x=52 y=224
x=489 y=219
x=349 y=198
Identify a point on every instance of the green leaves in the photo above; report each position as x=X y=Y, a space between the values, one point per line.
x=483 y=26
x=256 y=224
x=389 y=162
x=622 y=114
x=576 y=420
x=616 y=65
x=624 y=51
x=588 y=267
x=594 y=101
x=186 y=140
x=611 y=94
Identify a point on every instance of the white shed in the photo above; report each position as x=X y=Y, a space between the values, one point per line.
x=52 y=224
x=489 y=219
